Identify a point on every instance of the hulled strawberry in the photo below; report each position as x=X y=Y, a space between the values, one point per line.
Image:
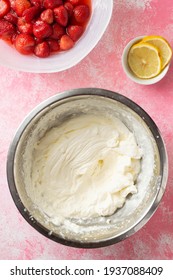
x=58 y=31
x=7 y=30
x=24 y=27
x=81 y=13
x=61 y=15
x=47 y=16
x=21 y=6
x=30 y=13
x=66 y=43
x=42 y=29
x=75 y=32
x=24 y=43
x=42 y=49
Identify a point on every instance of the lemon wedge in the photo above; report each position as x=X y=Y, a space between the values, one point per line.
x=162 y=45
x=144 y=60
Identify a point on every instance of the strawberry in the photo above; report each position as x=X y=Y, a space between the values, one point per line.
x=42 y=26
x=81 y=13
x=54 y=45
x=61 y=15
x=13 y=38
x=42 y=29
x=66 y=43
x=7 y=30
x=38 y=3
x=12 y=4
x=30 y=13
x=42 y=49
x=24 y=43
x=69 y=7
x=21 y=6
x=4 y=7
x=58 y=31
x=39 y=40
x=75 y=32
x=11 y=17
x=74 y=2
x=51 y=4
x=47 y=16
x=24 y=27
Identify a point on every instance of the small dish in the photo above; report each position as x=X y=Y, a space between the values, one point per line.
x=130 y=74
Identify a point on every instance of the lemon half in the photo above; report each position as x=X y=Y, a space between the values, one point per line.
x=144 y=60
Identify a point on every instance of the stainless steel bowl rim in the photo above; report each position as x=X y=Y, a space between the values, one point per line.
x=90 y=92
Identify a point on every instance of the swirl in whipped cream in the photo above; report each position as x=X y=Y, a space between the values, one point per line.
x=84 y=168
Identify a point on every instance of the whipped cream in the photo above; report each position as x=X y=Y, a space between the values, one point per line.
x=84 y=168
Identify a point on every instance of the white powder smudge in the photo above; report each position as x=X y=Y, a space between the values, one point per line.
x=140 y=4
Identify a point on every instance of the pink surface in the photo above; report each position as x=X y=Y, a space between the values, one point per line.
x=20 y=92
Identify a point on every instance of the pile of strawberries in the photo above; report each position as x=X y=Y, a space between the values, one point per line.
x=43 y=26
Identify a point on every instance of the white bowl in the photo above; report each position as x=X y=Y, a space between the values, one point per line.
x=101 y=15
x=130 y=74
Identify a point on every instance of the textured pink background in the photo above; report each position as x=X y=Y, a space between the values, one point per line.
x=20 y=92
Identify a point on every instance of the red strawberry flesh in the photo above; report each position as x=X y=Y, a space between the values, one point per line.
x=42 y=29
x=74 y=2
x=51 y=4
x=54 y=45
x=81 y=13
x=30 y=13
x=42 y=50
x=75 y=32
x=24 y=43
x=7 y=29
x=38 y=3
x=4 y=7
x=61 y=15
x=58 y=31
x=66 y=43
x=47 y=16
x=24 y=27
x=69 y=7
x=11 y=17
x=21 y=6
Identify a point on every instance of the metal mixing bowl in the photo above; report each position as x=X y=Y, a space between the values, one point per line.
x=151 y=181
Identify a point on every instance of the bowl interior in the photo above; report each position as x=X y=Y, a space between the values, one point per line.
x=137 y=206
x=101 y=14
